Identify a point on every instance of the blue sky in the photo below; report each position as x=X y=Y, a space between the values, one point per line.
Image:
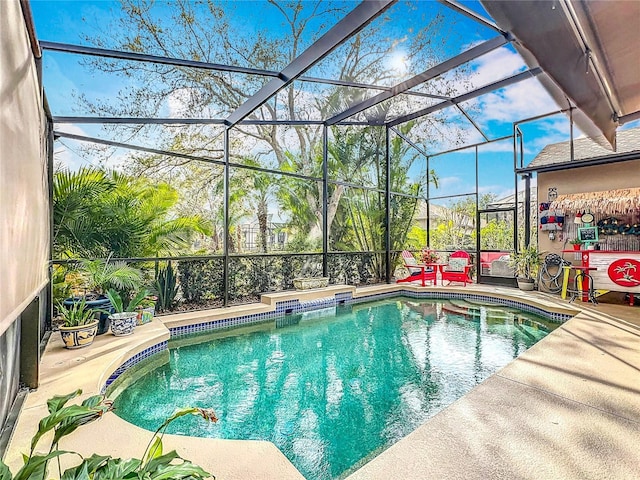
x=79 y=22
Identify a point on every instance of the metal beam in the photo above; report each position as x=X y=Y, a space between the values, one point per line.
x=423 y=77
x=465 y=147
x=475 y=125
x=178 y=62
x=467 y=12
x=355 y=20
x=468 y=96
x=414 y=145
x=139 y=121
x=143 y=57
x=186 y=156
x=189 y=121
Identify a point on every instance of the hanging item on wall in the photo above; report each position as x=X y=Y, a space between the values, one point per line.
x=578 y=218
x=608 y=226
x=587 y=217
x=550 y=220
x=615 y=226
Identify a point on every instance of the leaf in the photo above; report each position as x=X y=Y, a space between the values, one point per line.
x=89 y=464
x=5 y=473
x=181 y=413
x=117 y=468
x=155 y=450
x=156 y=463
x=81 y=472
x=35 y=467
x=56 y=403
x=83 y=416
x=186 y=469
x=73 y=414
x=93 y=401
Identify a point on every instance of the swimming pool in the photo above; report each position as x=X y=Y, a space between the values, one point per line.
x=334 y=387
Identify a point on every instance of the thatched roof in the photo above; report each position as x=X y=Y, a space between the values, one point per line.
x=609 y=202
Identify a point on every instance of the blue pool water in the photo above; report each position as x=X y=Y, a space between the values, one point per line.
x=333 y=388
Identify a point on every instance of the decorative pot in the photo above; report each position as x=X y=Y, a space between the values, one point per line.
x=103 y=307
x=145 y=315
x=80 y=336
x=123 y=323
x=577 y=247
x=525 y=284
x=310 y=282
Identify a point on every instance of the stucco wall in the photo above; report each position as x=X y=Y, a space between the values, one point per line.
x=24 y=198
x=579 y=180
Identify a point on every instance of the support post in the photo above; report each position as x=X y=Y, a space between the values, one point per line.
x=387 y=232
x=325 y=200
x=30 y=344
x=527 y=209
x=428 y=203
x=225 y=227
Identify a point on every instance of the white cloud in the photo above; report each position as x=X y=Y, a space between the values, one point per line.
x=446 y=182
x=496 y=65
x=522 y=100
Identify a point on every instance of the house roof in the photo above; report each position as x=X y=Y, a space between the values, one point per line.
x=628 y=141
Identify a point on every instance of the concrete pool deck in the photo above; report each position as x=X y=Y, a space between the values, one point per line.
x=568 y=408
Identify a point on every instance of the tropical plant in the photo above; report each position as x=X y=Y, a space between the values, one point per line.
x=100 y=275
x=75 y=224
x=76 y=314
x=124 y=303
x=167 y=287
x=576 y=241
x=64 y=419
x=99 y=213
x=526 y=262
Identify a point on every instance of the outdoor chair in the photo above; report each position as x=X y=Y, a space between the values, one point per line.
x=417 y=271
x=458 y=269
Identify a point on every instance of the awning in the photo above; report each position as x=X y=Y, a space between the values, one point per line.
x=588 y=51
x=608 y=202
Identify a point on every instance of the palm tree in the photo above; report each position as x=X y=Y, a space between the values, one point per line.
x=98 y=214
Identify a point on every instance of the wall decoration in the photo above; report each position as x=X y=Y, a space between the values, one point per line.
x=588 y=234
x=625 y=272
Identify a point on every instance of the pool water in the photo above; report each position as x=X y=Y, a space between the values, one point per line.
x=335 y=387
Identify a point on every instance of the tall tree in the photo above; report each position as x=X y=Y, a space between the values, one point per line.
x=208 y=31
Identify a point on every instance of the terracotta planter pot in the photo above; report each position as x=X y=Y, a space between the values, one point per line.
x=80 y=336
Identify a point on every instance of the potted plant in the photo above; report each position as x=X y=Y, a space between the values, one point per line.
x=97 y=276
x=125 y=318
x=526 y=263
x=577 y=243
x=79 y=325
x=428 y=256
x=146 y=309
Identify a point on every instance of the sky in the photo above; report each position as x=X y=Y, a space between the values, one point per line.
x=84 y=22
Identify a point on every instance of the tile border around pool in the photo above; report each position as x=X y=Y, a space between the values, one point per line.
x=292 y=306
x=346 y=298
